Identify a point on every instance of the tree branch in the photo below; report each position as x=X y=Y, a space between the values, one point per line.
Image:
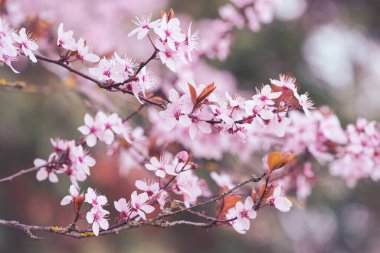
x=71 y=231
x=22 y=172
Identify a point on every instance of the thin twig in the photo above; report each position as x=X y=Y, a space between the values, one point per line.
x=22 y=172
x=134 y=113
x=117 y=228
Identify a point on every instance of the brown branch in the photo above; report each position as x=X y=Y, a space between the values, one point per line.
x=71 y=231
x=22 y=172
x=253 y=178
x=107 y=86
x=133 y=113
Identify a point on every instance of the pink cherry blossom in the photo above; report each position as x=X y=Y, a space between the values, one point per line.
x=177 y=111
x=279 y=201
x=198 y=123
x=160 y=167
x=26 y=44
x=98 y=219
x=91 y=130
x=286 y=82
x=140 y=205
x=112 y=125
x=168 y=56
x=122 y=68
x=123 y=208
x=65 y=39
x=192 y=42
x=74 y=192
x=243 y=213
x=187 y=184
x=306 y=103
x=104 y=70
x=143 y=26
x=145 y=83
x=46 y=171
x=150 y=188
x=222 y=180
x=170 y=32
x=83 y=53
x=231 y=15
x=81 y=159
x=266 y=95
x=93 y=198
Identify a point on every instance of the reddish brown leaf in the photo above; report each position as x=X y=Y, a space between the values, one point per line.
x=193 y=93
x=265 y=191
x=159 y=100
x=78 y=203
x=171 y=14
x=277 y=159
x=206 y=92
x=227 y=203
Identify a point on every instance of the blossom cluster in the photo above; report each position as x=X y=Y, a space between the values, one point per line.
x=68 y=158
x=172 y=44
x=199 y=110
x=240 y=214
x=97 y=215
x=359 y=157
x=237 y=14
x=204 y=119
x=250 y=12
x=13 y=44
x=102 y=127
x=75 y=49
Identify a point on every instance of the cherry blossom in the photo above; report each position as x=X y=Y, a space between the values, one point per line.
x=198 y=123
x=146 y=82
x=187 y=184
x=122 y=68
x=222 y=180
x=47 y=171
x=112 y=125
x=98 y=219
x=96 y=200
x=82 y=160
x=143 y=26
x=26 y=44
x=266 y=95
x=123 y=208
x=140 y=205
x=279 y=201
x=74 y=192
x=150 y=188
x=160 y=167
x=91 y=130
x=83 y=53
x=167 y=55
x=306 y=103
x=65 y=39
x=243 y=213
x=103 y=71
x=177 y=111
x=192 y=42
x=170 y=32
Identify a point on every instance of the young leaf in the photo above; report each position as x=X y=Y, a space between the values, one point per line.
x=193 y=93
x=277 y=159
x=206 y=92
x=227 y=203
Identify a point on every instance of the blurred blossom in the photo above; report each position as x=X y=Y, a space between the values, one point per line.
x=287 y=10
x=356 y=222
x=344 y=57
x=331 y=52
x=312 y=225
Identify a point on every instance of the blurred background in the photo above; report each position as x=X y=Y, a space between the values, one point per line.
x=331 y=46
